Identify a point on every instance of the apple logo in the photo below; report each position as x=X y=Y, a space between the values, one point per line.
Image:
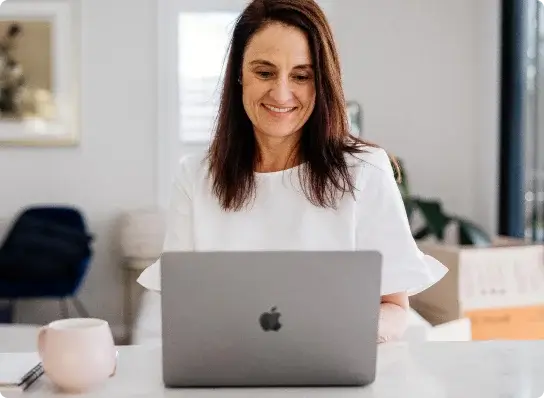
x=270 y=320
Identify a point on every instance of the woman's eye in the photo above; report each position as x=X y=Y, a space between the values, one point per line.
x=264 y=75
x=301 y=78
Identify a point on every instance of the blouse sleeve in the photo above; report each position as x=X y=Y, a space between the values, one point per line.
x=382 y=225
x=179 y=236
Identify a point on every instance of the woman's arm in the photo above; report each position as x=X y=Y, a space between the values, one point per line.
x=393 y=317
x=179 y=224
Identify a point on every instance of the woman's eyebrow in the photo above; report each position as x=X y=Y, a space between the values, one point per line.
x=264 y=62
x=261 y=62
x=303 y=66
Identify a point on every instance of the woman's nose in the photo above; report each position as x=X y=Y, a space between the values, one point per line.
x=281 y=92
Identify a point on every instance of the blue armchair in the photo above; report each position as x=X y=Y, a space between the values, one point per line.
x=46 y=254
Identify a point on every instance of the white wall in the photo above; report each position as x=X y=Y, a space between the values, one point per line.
x=486 y=112
x=113 y=169
x=424 y=71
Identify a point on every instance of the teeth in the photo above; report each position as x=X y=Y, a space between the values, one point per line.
x=279 y=110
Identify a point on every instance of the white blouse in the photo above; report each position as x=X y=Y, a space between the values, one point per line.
x=281 y=218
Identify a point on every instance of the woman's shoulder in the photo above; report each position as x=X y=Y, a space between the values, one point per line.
x=371 y=160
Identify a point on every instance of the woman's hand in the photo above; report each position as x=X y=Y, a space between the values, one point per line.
x=393 y=317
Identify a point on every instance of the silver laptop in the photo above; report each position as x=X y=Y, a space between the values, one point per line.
x=270 y=318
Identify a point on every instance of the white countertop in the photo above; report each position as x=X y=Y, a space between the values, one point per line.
x=427 y=370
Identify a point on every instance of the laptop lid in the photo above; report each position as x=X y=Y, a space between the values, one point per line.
x=270 y=318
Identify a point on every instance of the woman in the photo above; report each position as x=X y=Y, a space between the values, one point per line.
x=283 y=172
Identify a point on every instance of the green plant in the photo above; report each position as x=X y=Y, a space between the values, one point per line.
x=436 y=220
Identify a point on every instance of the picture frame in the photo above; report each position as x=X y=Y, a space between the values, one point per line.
x=39 y=96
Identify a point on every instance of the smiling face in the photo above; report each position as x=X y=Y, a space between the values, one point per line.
x=278 y=81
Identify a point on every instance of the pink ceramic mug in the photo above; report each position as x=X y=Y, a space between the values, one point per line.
x=78 y=354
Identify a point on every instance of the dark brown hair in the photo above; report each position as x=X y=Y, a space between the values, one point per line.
x=325 y=138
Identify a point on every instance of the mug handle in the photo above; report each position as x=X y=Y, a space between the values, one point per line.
x=115 y=366
x=42 y=333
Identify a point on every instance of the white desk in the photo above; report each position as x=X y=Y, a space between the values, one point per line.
x=428 y=370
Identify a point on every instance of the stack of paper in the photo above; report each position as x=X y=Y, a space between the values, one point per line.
x=19 y=370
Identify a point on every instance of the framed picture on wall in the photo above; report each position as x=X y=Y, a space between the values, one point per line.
x=38 y=96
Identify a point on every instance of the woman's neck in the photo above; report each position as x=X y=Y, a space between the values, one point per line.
x=277 y=153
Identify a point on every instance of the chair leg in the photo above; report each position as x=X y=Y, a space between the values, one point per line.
x=64 y=312
x=8 y=310
x=11 y=309
x=81 y=310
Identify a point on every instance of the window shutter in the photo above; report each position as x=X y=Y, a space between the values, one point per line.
x=203 y=44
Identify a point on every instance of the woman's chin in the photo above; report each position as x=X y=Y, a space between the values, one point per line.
x=272 y=133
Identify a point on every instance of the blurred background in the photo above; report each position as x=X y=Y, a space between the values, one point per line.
x=99 y=99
